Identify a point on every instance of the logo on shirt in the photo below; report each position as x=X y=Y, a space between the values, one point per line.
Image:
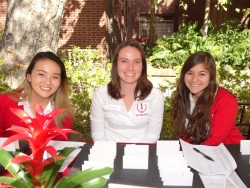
x=142 y=109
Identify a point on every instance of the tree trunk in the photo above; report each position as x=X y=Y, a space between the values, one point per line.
x=152 y=22
x=206 y=20
x=31 y=26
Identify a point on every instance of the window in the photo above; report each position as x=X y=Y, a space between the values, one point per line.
x=164 y=25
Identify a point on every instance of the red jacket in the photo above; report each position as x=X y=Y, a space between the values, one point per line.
x=223 y=120
x=7 y=118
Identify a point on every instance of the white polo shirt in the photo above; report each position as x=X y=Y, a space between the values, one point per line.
x=110 y=120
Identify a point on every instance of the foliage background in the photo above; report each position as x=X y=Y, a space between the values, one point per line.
x=86 y=70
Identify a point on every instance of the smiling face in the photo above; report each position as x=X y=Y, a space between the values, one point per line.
x=197 y=79
x=129 y=64
x=45 y=79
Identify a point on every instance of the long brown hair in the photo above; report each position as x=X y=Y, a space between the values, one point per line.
x=60 y=99
x=143 y=87
x=199 y=125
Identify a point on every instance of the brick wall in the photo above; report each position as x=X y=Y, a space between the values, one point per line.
x=3 y=10
x=85 y=22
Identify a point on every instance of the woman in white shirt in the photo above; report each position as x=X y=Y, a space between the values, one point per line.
x=128 y=108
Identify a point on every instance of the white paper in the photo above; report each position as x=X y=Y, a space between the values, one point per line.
x=222 y=181
x=229 y=184
x=172 y=164
x=177 y=176
x=172 y=161
x=213 y=181
x=245 y=147
x=135 y=156
x=223 y=162
x=135 y=162
x=235 y=179
x=165 y=147
x=103 y=151
x=136 y=150
x=173 y=168
x=102 y=157
x=101 y=154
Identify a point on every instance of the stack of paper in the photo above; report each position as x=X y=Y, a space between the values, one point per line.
x=245 y=148
x=215 y=165
x=102 y=154
x=135 y=156
x=172 y=166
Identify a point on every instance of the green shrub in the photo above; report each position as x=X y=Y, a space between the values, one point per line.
x=3 y=85
x=228 y=43
x=167 y=131
x=86 y=70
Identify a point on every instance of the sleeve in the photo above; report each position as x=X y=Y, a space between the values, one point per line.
x=223 y=119
x=155 y=122
x=97 y=118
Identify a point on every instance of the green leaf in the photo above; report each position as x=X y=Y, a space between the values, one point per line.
x=95 y=183
x=16 y=171
x=84 y=178
x=50 y=171
x=14 y=182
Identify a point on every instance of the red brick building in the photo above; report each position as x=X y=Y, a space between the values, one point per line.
x=102 y=24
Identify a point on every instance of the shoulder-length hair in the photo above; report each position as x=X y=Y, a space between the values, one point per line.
x=143 y=87
x=199 y=125
x=60 y=99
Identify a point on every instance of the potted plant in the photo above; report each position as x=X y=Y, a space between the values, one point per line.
x=32 y=170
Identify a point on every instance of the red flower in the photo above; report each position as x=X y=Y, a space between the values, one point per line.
x=38 y=132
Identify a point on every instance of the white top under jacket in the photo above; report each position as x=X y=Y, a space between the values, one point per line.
x=110 y=120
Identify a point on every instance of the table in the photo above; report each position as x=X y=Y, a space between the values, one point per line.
x=150 y=177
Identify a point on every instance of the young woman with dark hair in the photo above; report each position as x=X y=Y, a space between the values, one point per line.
x=45 y=83
x=203 y=112
x=128 y=108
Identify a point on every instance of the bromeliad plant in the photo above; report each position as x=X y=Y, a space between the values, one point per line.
x=34 y=171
